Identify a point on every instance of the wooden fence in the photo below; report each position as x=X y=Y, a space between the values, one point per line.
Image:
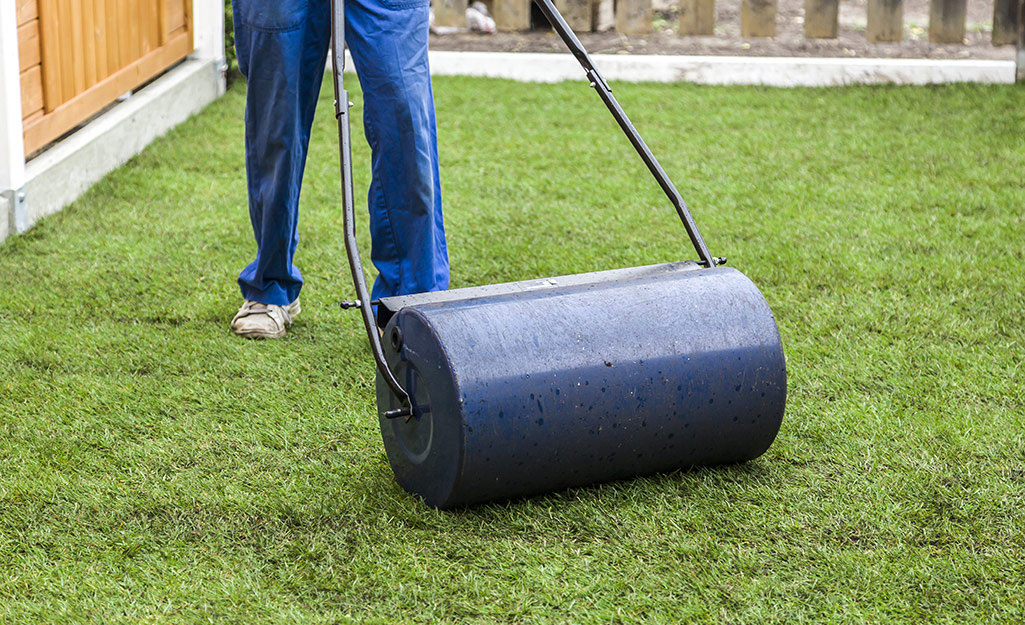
x=78 y=56
x=757 y=17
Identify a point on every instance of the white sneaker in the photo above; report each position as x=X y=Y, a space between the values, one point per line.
x=256 y=320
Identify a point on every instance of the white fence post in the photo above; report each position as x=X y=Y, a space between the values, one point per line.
x=208 y=33
x=13 y=214
x=1020 y=55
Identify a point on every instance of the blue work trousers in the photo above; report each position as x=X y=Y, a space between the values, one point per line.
x=282 y=50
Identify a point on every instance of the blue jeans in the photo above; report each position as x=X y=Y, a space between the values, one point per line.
x=282 y=50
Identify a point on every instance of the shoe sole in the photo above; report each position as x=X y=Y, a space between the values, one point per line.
x=260 y=335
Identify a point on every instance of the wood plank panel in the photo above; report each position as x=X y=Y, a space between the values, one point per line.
x=1005 y=22
x=885 y=20
x=135 y=18
x=65 y=51
x=100 y=37
x=633 y=16
x=947 y=21
x=88 y=50
x=188 y=25
x=148 y=38
x=697 y=17
x=113 y=38
x=159 y=21
x=821 y=19
x=74 y=51
x=79 y=108
x=162 y=21
x=28 y=45
x=26 y=10
x=758 y=18
x=49 y=31
x=123 y=34
x=31 y=91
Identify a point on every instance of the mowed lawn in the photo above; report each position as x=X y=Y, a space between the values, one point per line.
x=155 y=468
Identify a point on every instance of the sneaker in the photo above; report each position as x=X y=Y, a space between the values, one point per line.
x=256 y=320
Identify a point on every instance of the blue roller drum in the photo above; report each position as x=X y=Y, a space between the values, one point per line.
x=513 y=389
x=535 y=386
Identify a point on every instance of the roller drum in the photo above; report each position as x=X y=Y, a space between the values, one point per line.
x=531 y=387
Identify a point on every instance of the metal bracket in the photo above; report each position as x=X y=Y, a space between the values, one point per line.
x=18 y=211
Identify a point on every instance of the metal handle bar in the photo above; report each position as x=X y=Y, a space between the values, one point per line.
x=605 y=93
x=348 y=213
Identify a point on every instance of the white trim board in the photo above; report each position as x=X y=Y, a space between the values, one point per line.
x=12 y=149
x=721 y=70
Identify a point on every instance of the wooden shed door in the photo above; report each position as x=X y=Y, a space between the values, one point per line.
x=78 y=56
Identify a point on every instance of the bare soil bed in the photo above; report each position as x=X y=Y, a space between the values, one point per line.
x=789 y=40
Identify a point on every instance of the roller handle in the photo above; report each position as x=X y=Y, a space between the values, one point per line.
x=605 y=93
x=348 y=214
x=363 y=302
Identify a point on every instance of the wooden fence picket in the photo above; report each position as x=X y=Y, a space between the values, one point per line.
x=577 y=13
x=758 y=18
x=947 y=21
x=1005 y=22
x=1019 y=57
x=633 y=16
x=885 y=20
x=821 y=19
x=697 y=17
x=511 y=14
x=449 y=12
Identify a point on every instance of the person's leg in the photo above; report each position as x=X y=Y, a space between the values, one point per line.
x=282 y=48
x=388 y=42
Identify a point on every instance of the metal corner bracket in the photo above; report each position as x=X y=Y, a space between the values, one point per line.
x=18 y=211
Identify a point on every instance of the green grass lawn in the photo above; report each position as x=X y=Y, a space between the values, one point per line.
x=154 y=468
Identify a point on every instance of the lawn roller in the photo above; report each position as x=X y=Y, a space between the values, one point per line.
x=507 y=390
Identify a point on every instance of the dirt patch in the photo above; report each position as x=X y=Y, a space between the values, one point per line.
x=789 y=40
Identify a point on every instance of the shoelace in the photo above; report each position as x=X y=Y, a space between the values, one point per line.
x=256 y=308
